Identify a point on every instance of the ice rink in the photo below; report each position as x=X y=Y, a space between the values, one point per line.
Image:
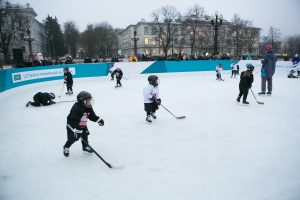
x=221 y=151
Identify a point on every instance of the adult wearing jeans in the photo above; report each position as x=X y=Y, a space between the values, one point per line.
x=267 y=70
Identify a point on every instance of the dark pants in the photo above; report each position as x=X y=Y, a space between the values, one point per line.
x=264 y=81
x=119 y=82
x=243 y=92
x=69 y=87
x=233 y=72
x=72 y=139
x=150 y=107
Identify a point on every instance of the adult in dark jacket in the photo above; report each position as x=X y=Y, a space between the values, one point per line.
x=245 y=83
x=42 y=99
x=68 y=80
x=80 y=113
x=268 y=70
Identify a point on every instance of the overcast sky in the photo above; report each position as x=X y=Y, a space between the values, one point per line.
x=281 y=14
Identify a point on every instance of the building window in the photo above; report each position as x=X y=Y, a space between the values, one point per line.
x=146 y=30
x=153 y=30
x=146 y=41
x=154 y=41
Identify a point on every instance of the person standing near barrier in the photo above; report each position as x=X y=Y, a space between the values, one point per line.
x=68 y=80
x=268 y=70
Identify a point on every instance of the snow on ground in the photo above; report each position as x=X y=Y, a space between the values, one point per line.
x=221 y=151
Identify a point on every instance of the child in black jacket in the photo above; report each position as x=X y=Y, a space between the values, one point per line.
x=81 y=112
x=245 y=83
x=68 y=79
x=42 y=99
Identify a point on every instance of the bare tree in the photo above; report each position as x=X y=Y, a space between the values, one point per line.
x=71 y=35
x=192 y=23
x=166 y=26
x=87 y=40
x=292 y=45
x=274 y=38
x=251 y=37
x=237 y=29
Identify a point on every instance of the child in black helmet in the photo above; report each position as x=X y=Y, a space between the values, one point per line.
x=119 y=74
x=80 y=113
x=68 y=80
x=245 y=83
x=42 y=99
x=151 y=97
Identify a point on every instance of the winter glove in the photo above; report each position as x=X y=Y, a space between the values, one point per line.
x=158 y=101
x=101 y=122
x=77 y=133
x=65 y=82
x=153 y=98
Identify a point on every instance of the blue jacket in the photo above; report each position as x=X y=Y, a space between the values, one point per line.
x=268 y=64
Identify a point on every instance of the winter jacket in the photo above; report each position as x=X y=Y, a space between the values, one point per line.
x=246 y=80
x=68 y=77
x=268 y=64
x=43 y=98
x=79 y=115
x=149 y=92
x=118 y=73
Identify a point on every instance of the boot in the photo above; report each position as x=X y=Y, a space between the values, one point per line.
x=269 y=93
x=245 y=102
x=261 y=93
x=66 y=151
x=148 y=119
x=238 y=99
x=87 y=149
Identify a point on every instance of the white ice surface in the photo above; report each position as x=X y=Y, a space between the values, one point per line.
x=221 y=151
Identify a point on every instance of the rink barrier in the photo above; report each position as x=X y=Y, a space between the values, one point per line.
x=186 y=66
x=15 y=77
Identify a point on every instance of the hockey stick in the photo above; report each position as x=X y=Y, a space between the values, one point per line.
x=66 y=101
x=105 y=162
x=259 y=102
x=180 y=117
x=62 y=89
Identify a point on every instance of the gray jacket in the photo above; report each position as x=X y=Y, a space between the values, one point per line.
x=268 y=64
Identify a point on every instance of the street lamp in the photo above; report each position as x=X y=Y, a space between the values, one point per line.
x=216 y=23
x=135 y=39
x=29 y=40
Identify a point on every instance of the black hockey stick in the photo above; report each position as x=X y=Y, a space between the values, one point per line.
x=105 y=162
x=180 y=117
x=259 y=102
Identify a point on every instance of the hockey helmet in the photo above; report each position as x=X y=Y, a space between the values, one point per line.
x=52 y=95
x=153 y=80
x=85 y=98
x=66 y=69
x=250 y=67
